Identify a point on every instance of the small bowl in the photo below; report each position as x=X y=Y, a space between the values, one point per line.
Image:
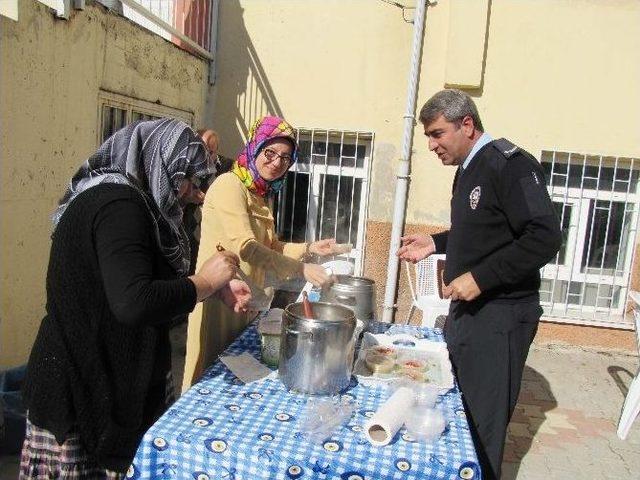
x=413 y=374
x=413 y=364
x=384 y=351
x=379 y=363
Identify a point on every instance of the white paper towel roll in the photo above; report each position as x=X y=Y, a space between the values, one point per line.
x=386 y=422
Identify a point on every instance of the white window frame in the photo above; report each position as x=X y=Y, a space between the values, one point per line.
x=133 y=105
x=581 y=199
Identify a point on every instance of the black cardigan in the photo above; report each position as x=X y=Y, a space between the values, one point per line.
x=100 y=359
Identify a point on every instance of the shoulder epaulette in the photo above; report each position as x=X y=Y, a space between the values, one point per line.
x=505 y=147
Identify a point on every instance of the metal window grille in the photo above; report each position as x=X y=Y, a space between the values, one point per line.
x=117 y=111
x=326 y=191
x=596 y=198
x=191 y=18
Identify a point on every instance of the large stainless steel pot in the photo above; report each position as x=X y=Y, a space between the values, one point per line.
x=316 y=355
x=356 y=293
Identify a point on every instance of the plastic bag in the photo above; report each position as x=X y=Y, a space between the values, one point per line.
x=323 y=415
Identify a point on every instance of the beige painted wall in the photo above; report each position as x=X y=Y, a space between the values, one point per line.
x=51 y=74
x=319 y=63
x=557 y=74
x=554 y=74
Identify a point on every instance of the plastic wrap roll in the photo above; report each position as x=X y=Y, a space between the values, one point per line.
x=389 y=418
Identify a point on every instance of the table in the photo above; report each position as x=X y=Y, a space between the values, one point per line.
x=222 y=428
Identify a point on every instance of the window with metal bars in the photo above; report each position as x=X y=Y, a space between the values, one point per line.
x=326 y=191
x=117 y=111
x=596 y=199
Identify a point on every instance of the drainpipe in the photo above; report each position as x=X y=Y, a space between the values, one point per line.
x=404 y=167
x=213 y=40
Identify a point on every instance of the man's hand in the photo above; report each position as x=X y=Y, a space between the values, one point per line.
x=463 y=287
x=416 y=247
x=235 y=295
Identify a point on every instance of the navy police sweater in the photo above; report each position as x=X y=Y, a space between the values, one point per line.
x=503 y=225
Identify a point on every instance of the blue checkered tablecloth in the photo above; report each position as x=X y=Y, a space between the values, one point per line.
x=224 y=429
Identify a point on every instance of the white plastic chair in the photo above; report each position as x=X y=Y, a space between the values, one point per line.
x=631 y=406
x=426 y=296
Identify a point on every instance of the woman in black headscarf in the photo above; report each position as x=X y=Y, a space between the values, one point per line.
x=98 y=374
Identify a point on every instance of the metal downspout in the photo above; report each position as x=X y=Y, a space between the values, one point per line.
x=213 y=41
x=404 y=167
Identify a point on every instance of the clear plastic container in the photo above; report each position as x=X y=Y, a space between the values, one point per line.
x=378 y=364
x=424 y=421
x=425 y=424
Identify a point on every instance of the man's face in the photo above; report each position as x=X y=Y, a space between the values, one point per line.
x=210 y=139
x=452 y=142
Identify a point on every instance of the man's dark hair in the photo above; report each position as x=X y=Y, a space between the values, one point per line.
x=454 y=105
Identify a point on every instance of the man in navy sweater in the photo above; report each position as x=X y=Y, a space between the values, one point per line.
x=503 y=230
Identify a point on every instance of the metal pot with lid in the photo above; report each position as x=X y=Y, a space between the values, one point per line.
x=316 y=354
x=356 y=293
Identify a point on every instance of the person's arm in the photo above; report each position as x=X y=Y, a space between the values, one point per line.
x=125 y=248
x=302 y=251
x=228 y=201
x=440 y=241
x=531 y=216
x=297 y=251
x=416 y=247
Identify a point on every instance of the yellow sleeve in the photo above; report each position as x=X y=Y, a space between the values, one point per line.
x=292 y=250
x=261 y=256
x=230 y=203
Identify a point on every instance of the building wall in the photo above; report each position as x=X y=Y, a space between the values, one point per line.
x=51 y=74
x=553 y=74
x=559 y=74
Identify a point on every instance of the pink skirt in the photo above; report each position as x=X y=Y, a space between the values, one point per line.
x=43 y=458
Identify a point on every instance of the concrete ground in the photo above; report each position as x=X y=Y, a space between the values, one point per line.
x=565 y=423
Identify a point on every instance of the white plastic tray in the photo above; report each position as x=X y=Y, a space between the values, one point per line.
x=435 y=354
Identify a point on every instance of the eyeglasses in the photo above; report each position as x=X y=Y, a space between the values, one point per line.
x=272 y=155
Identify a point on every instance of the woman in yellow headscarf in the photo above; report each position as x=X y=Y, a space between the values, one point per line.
x=236 y=216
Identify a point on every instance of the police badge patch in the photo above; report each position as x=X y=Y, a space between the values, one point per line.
x=474 y=197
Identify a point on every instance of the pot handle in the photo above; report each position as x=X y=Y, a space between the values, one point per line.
x=346 y=300
x=299 y=333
